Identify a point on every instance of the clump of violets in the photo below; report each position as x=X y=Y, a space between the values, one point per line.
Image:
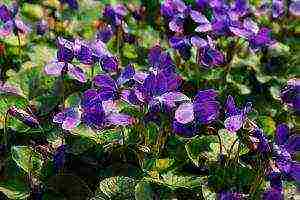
x=11 y=22
x=225 y=20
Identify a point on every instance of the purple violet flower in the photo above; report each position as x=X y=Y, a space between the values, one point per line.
x=278 y=8
x=55 y=68
x=283 y=149
x=209 y=55
x=41 y=27
x=115 y=14
x=294 y=8
x=235 y=117
x=83 y=52
x=69 y=118
x=204 y=110
x=105 y=34
x=11 y=22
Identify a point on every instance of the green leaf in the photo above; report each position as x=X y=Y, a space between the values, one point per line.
x=267 y=124
x=129 y=51
x=80 y=145
x=143 y=191
x=177 y=181
x=15 y=189
x=70 y=186
x=27 y=159
x=152 y=132
x=32 y=11
x=203 y=148
x=229 y=142
x=118 y=187
x=208 y=194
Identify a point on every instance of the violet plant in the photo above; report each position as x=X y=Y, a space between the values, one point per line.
x=164 y=99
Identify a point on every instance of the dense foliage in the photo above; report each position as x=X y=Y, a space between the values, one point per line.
x=149 y=99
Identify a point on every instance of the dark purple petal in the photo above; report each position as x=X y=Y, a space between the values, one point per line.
x=76 y=73
x=105 y=34
x=90 y=99
x=54 y=68
x=282 y=134
x=83 y=52
x=109 y=64
x=154 y=55
x=127 y=73
x=184 y=113
x=293 y=143
x=65 y=55
x=206 y=112
x=275 y=180
x=272 y=194
x=211 y=57
x=134 y=97
x=295 y=171
x=94 y=117
x=105 y=81
x=263 y=144
x=5 y=14
x=184 y=129
x=206 y=95
x=107 y=94
x=119 y=119
x=224 y=195
x=41 y=27
x=241 y=7
x=263 y=38
x=59 y=158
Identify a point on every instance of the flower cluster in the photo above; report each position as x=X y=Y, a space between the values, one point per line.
x=222 y=20
x=11 y=22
